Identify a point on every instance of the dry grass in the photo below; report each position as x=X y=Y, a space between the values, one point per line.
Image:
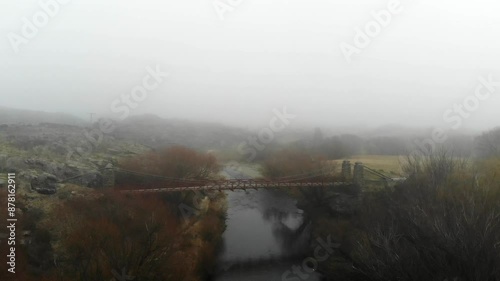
x=386 y=164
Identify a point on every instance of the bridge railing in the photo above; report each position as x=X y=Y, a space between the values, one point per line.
x=311 y=179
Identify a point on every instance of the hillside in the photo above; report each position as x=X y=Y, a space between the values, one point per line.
x=22 y=116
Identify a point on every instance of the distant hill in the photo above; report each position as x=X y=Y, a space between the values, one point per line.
x=19 y=116
x=157 y=132
x=148 y=130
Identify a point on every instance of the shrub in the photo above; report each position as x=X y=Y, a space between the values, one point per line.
x=443 y=223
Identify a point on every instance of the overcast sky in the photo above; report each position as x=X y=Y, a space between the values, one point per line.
x=264 y=54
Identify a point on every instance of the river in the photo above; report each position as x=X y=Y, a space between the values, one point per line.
x=266 y=236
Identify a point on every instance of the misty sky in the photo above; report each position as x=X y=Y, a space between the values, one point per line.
x=263 y=55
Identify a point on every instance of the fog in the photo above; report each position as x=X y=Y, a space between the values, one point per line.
x=234 y=62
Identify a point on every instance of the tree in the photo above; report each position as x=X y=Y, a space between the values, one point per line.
x=177 y=162
x=386 y=146
x=443 y=223
x=297 y=165
x=338 y=147
x=317 y=138
x=293 y=163
x=173 y=166
x=488 y=144
x=116 y=234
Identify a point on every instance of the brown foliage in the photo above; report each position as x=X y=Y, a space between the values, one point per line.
x=175 y=162
x=115 y=232
x=175 y=166
x=442 y=224
x=291 y=162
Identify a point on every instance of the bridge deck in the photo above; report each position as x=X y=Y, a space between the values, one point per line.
x=241 y=184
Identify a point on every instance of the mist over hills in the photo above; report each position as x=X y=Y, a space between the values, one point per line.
x=154 y=127
x=16 y=116
x=155 y=132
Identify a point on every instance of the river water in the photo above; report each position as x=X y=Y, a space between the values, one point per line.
x=266 y=235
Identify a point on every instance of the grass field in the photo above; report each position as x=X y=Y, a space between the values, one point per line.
x=386 y=164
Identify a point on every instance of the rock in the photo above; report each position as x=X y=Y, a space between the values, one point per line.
x=114 y=151
x=50 y=167
x=32 y=168
x=15 y=164
x=44 y=183
x=92 y=179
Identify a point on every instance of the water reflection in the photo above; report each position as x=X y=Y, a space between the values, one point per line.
x=266 y=234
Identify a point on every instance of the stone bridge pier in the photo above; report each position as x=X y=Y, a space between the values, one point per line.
x=109 y=176
x=346 y=170
x=357 y=174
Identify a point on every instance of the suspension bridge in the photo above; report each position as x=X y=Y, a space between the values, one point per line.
x=321 y=178
x=241 y=184
x=349 y=176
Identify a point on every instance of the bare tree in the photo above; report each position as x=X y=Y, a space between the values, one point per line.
x=488 y=144
x=441 y=224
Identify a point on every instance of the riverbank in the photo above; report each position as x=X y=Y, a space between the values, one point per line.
x=202 y=239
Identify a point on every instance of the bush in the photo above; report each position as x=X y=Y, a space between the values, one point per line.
x=443 y=223
x=113 y=232
x=172 y=166
x=295 y=163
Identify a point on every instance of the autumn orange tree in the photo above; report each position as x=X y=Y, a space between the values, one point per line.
x=115 y=235
x=175 y=162
x=298 y=165
x=173 y=166
x=294 y=162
